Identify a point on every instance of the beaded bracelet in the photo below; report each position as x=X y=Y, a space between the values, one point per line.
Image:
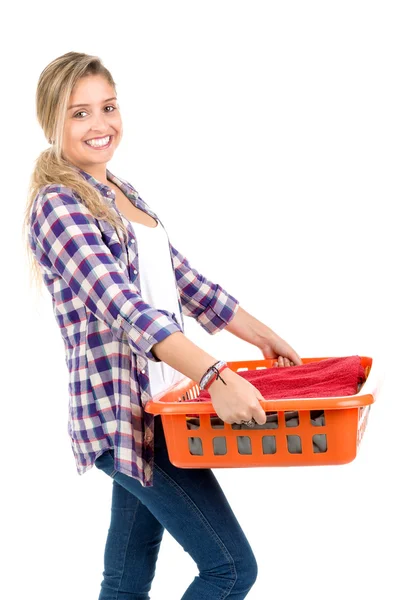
x=212 y=374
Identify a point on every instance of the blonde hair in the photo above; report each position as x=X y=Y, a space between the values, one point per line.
x=54 y=88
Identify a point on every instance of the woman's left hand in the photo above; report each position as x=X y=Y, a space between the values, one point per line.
x=275 y=347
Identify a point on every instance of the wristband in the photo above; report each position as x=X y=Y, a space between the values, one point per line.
x=211 y=374
x=214 y=377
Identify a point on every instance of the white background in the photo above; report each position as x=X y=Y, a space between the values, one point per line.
x=265 y=135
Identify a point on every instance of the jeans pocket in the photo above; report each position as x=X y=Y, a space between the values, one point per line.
x=105 y=462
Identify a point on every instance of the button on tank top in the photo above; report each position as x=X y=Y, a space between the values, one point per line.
x=158 y=288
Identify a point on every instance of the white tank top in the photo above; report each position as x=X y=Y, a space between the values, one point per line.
x=158 y=288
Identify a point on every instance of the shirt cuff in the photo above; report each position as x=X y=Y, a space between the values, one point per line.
x=145 y=333
x=219 y=312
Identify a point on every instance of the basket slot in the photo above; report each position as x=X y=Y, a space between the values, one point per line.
x=217 y=423
x=317 y=418
x=269 y=444
x=243 y=444
x=191 y=394
x=292 y=418
x=363 y=413
x=193 y=422
x=219 y=446
x=319 y=443
x=294 y=444
x=195 y=446
x=259 y=368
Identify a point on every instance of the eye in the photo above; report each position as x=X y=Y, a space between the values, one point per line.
x=108 y=106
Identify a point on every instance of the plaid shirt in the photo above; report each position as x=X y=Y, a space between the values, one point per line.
x=107 y=328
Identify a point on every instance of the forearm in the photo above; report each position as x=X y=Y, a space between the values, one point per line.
x=183 y=355
x=247 y=327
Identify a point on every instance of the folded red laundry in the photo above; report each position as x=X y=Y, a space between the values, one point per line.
x=329 y=377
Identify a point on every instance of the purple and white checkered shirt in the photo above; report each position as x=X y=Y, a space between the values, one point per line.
x=107 y=328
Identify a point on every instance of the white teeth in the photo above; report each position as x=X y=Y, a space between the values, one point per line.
x=98 y=143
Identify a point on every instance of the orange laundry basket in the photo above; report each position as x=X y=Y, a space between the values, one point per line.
x=298 y=432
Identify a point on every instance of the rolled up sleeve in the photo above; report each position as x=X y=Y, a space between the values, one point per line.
x=70 y=241
x=207 y=302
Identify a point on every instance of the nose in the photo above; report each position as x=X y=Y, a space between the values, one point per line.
x=98 y=124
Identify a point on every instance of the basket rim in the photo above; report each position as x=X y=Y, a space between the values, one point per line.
x=161 y=403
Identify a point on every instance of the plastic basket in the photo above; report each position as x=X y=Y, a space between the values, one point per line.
x=298 y=432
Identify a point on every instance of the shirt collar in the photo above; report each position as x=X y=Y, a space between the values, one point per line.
x=105 y=190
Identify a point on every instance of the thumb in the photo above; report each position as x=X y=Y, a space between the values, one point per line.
x=260 y=415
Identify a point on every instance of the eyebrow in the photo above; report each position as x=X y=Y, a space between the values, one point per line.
x=76 y=105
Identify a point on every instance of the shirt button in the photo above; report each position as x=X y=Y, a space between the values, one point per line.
x=143 y=370
x=134 y=270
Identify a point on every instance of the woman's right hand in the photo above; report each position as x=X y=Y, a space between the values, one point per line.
x=236 y=401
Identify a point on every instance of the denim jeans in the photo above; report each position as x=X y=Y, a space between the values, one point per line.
x=191 y=505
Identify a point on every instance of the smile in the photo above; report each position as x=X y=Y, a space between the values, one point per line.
x=100 y=143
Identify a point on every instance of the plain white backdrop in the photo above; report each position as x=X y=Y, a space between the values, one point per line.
x=265 y=135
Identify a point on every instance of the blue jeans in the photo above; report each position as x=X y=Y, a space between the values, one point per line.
x=191 y=505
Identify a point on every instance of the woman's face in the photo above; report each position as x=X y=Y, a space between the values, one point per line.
x=98 y=119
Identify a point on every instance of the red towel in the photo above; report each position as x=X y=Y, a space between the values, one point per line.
x=329 y=377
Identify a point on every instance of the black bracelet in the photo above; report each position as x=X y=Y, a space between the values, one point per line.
x=218 y=374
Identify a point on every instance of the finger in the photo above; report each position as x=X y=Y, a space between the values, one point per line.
x=281 y=362
x=259 y=416
x=286 y=362
x=261 y=420
x=294 y=357
x=258 y=413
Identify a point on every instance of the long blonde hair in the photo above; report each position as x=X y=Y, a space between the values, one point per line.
x=54 y=88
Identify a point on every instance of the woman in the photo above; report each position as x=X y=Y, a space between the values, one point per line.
x=85 y=228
